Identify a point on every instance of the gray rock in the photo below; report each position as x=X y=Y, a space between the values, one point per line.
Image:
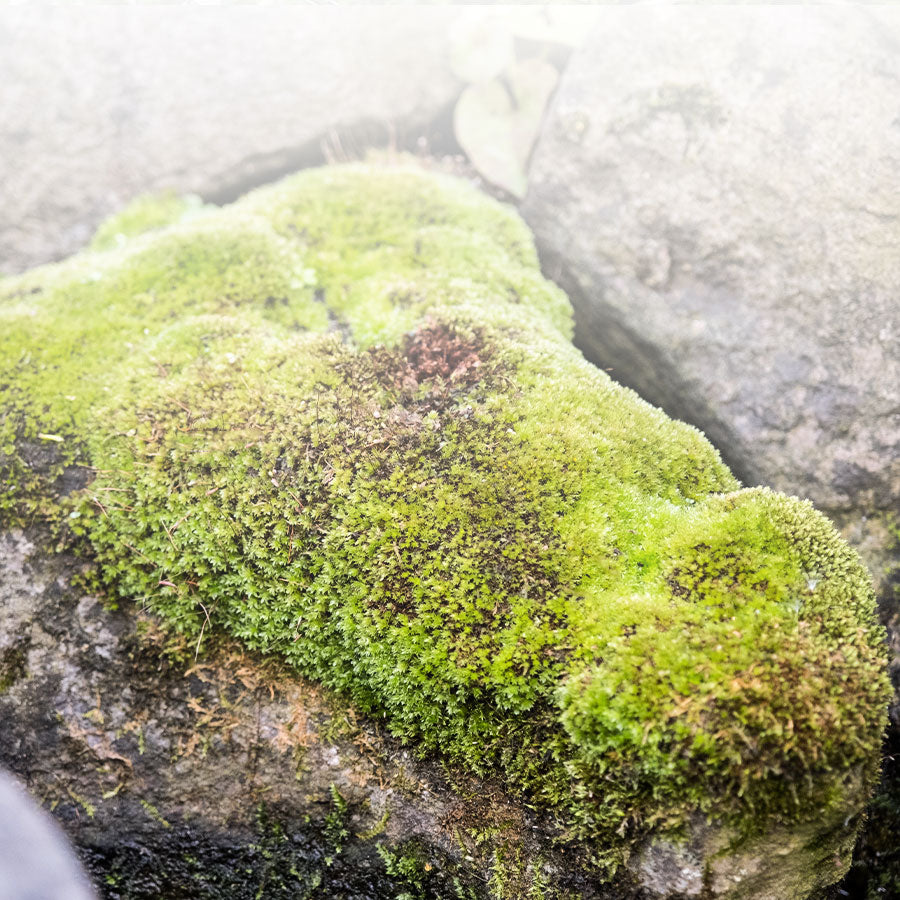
x=775 y=866
x=35 y=861
x=718 y=190
x=100 y=104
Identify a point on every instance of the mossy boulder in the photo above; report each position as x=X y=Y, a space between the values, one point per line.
x=342 y=421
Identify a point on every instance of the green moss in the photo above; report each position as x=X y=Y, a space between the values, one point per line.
x=146 y=213
x=336 y=822
x=13 y=661
x=343 y=421
x=155 y=814
x=408 y=863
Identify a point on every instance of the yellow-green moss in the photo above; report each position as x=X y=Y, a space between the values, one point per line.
x=342 y=420
x=146 y=213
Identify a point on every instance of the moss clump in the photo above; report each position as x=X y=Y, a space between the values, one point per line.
x=343 y=421
x=12 y=665
x=147 y=213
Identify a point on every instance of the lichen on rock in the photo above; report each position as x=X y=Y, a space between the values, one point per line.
x=342 y=421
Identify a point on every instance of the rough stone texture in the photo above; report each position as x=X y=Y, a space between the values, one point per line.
x=719 y=191
x=214 y=778
x=699 y=868
x=98 y=105
x=35 y=861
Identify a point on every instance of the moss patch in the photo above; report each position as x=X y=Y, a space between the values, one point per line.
x=12 y=665
x=342 y=420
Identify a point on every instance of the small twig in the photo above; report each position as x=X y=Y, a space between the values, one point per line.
x=202 y=628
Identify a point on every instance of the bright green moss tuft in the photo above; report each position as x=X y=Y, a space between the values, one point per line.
x=145 y=213
x=342 y=420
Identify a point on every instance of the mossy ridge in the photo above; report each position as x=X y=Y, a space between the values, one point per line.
x=448 y=515
x=81 y=335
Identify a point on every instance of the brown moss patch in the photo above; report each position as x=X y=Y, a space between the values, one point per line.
x=433 y=368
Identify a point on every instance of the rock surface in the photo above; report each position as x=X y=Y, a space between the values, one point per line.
x=99 y=104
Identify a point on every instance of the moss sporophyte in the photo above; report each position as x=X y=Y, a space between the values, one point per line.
x=342 y=420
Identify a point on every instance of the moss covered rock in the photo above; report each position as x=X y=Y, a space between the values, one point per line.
x=342 y=421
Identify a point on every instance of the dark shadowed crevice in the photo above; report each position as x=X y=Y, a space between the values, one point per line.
x=343 y=143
